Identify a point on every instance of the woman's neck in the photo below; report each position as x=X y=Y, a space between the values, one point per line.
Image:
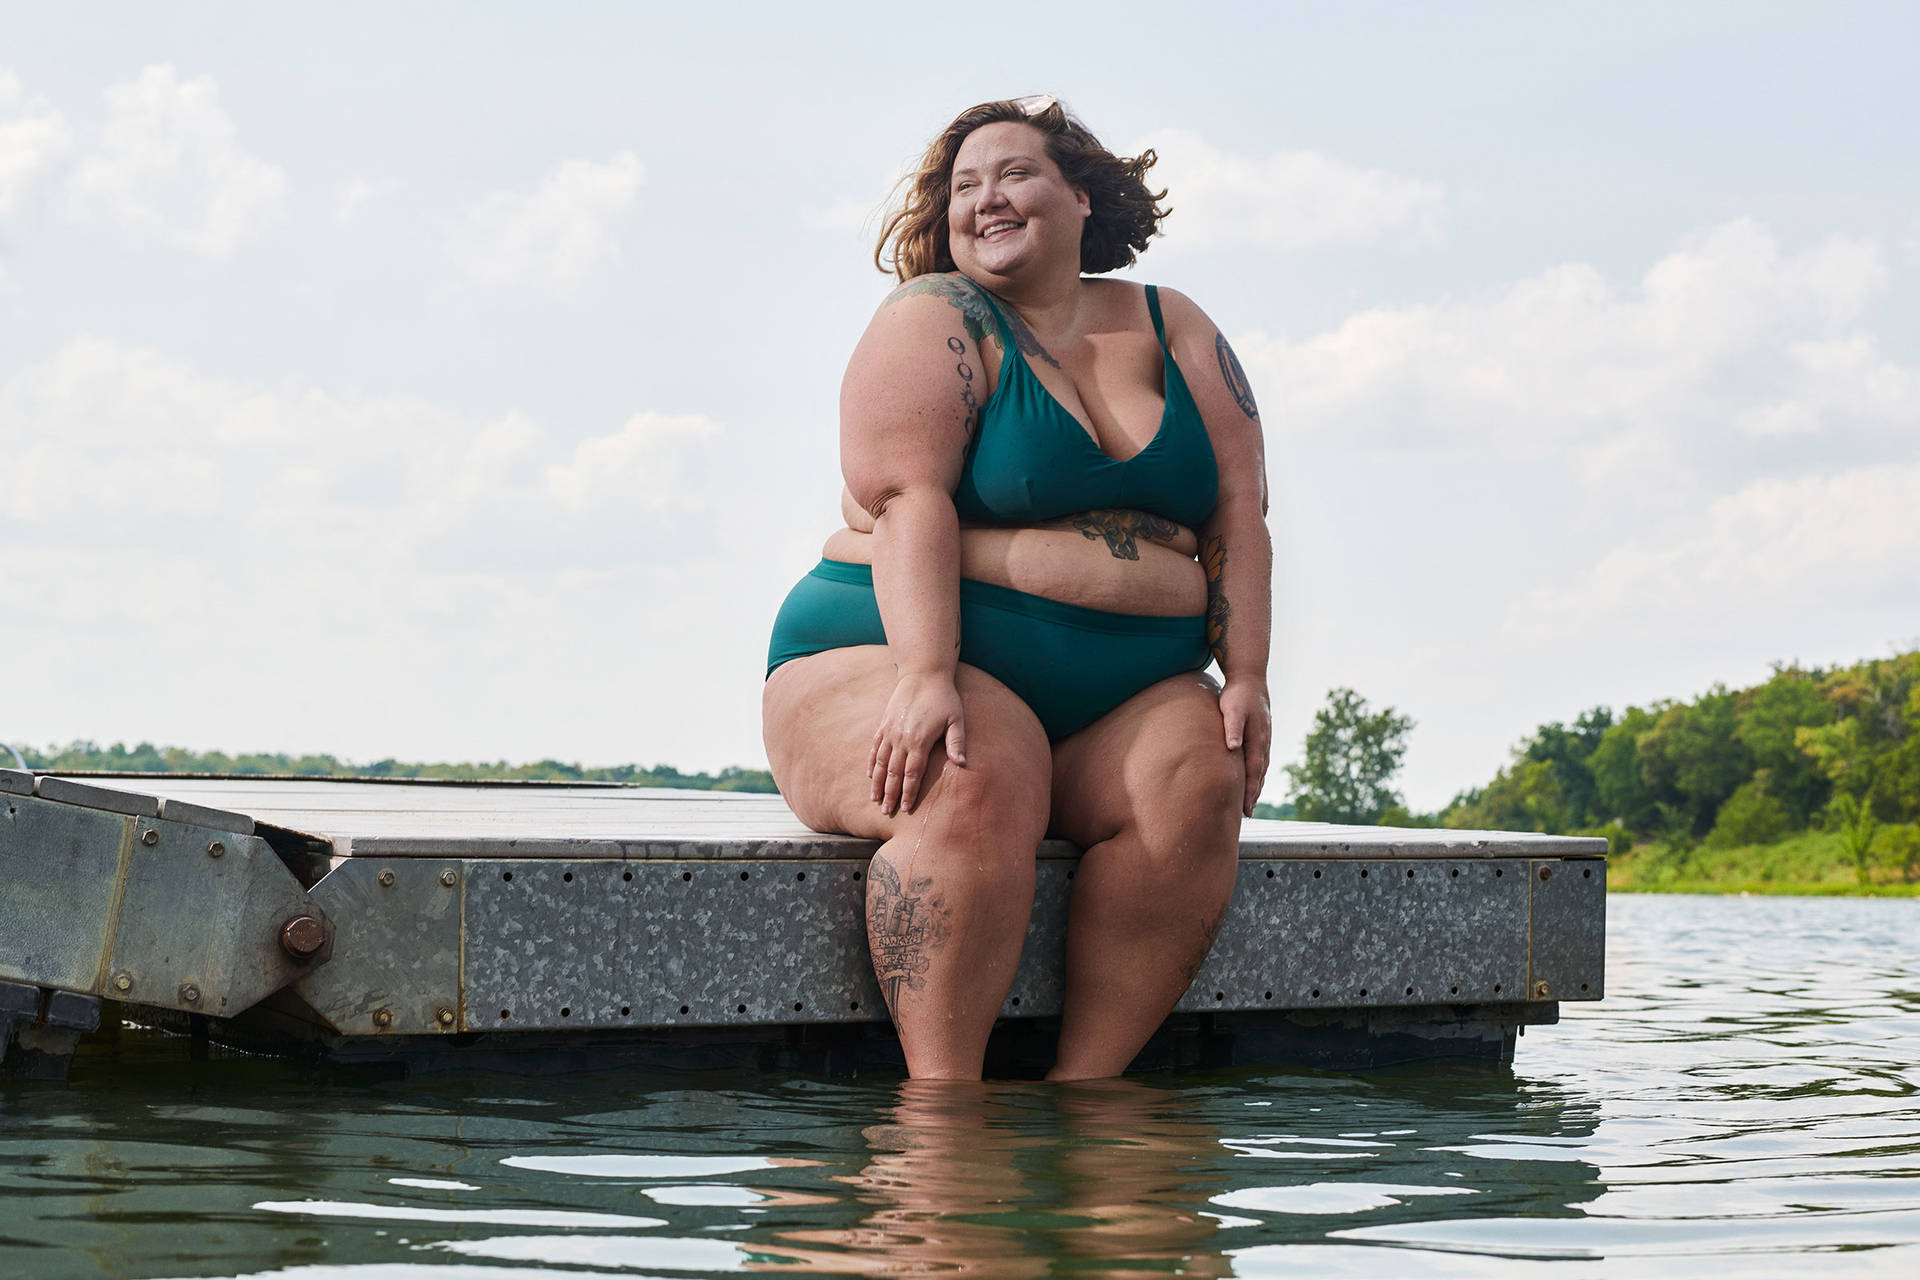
x=1049 y=305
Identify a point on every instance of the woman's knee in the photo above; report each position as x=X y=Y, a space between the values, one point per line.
x=1196 y=813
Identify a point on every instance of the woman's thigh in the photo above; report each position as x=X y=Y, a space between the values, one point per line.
x=818 y=715
x=1157 y=763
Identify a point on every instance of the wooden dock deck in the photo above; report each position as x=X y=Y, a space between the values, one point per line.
x=441 y=923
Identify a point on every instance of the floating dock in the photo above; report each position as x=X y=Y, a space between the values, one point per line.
x=545 y=926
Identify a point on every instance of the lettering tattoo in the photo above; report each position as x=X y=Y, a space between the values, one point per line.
x=967 y=397
x=976 y=313
x=1236 y=377
x=904 y=927
x=1122 y=529
x=1213 y=558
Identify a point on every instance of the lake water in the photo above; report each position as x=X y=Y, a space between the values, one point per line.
x=1743 y=1104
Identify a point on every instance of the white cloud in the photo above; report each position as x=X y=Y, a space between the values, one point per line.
x=351 y=196
x=1727 y=342
x=33 y=139
x=414 y=566
x=1778 y=557
x=1286 y=199
x=167 y=164
x=553 y=235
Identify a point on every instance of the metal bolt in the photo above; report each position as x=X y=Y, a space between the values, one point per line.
x=189 y=994
x=302 y=937
x=215 y=849
x=447 y=877
x=386 y=879
x=444 y=1017
x=123 y=982
x=1546 y=874
x=383 y=1018
x=1539 y=991
x=149 y=837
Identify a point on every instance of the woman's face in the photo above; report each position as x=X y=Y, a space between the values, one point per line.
x=1009 y=208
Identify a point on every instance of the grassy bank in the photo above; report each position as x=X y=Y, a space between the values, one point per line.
x=1813 y=863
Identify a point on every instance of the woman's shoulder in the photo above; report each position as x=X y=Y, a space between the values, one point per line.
x=933 y=298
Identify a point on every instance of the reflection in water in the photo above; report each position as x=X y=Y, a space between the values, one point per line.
x=1744 y=1103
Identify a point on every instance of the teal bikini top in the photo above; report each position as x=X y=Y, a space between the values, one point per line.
x=1032 y=461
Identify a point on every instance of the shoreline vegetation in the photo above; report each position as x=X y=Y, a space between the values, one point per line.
x=1807 y=783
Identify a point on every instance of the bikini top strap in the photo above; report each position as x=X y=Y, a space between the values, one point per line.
x=1153 y=309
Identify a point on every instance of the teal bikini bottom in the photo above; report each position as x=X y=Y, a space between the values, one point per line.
x=1071 y=665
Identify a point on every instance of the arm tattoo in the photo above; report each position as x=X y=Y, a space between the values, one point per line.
x=1121 y=529
x=904 y=926
x=975 y=312
x=1236 y=377
x=1213 y=557
x=967 y=398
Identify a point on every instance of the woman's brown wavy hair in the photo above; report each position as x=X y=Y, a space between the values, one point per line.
x=1126 y=214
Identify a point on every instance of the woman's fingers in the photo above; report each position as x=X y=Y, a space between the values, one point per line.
x=957 y=740
x=910 y=778
x=1233 y=718
x=1257 y=754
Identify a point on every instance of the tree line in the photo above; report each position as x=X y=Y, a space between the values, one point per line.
x=1828 y=749
x=84 y=756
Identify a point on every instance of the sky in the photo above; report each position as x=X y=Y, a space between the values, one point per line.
x=456 y=382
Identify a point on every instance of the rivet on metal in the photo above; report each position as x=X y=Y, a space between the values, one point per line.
x=149 y=837
x=383 y=1018
x=189 y=994
x=302 y=937
x=445 y=1016
x=1539 y=991
x=447 y=878
x=386 y=879
x=1546 y=874
x=215 y=849
x=123 y=982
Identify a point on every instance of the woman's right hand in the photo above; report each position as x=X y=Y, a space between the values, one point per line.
x=924 y=712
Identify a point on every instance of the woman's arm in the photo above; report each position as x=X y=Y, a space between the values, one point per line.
x=907 y=408
x=1235 y=548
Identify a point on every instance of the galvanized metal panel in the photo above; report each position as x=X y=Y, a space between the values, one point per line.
x=396 y=948
x=111 y=799
x=60 y=866
x=14 y=782
x=552 y=945
x=1569 y=933
x=198 y=927
x=1361 y=934
x=543 y=944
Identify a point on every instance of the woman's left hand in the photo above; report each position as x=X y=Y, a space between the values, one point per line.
x=1247 y=717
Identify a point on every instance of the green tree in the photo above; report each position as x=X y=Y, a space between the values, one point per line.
x=1348 y=761
x=1766 y=721
x=1620 y=784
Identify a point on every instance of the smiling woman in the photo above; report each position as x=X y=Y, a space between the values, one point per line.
x=1055 y=505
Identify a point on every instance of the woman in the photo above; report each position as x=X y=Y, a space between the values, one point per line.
x=1007 y=639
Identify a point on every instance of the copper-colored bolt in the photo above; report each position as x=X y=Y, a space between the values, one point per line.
x=302 y=937
x=215 y=849
x=444 y=1017
x=383 y=1018
x=123 y=982
x=386 y=879
x=149 y=837
x=189 y=994
x=1546 y=873
x=1539 y=991
x=447 y=877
